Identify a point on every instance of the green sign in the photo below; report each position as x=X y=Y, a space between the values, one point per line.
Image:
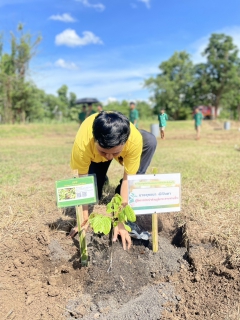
x=76 y=191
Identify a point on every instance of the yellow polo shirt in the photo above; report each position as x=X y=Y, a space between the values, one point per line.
x=84 y=149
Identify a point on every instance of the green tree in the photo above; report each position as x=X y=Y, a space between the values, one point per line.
x=14 y=90
x=145 y=111
x=73 y=109
x=72 y=99
x=231 y=103
x=171 y=86
x=62 y=94
x=220 y=74
x=113 y=106
x=64 y=105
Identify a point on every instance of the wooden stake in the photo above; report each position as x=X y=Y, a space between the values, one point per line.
x=155 y=222
x=82 y=237
x=155 y=232
x=81 y=233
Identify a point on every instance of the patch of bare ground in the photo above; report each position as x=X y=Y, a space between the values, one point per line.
x=195 y=274
x=41 y=277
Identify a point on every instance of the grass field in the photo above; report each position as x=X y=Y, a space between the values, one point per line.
x=34 y=156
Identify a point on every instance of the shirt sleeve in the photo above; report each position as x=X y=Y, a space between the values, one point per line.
x=83 y=147
x=132 y=157
x=80 y=159
x=132 y=160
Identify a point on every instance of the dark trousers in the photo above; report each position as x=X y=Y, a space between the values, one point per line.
x=100 y=169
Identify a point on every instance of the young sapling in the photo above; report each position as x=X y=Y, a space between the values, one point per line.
x=116 y=213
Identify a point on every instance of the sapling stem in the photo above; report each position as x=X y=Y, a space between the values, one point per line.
x=115 y=214
x=82 y=237
x=111 y=252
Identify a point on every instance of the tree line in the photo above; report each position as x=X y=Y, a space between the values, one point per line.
x=178 y=88
x=180 y=85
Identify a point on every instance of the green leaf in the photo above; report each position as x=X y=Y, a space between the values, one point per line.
x=127 y=227
x=101 y=224
x=92 y=215
x=121 y=216
x=109 y=206
x=117 y=199
x=115 y=207
x=115 y=223
x=128 y=211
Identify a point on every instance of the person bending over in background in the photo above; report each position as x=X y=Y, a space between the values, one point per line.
x=198 y=117
x=133 y=114
x=162 y=118
x=102 y=138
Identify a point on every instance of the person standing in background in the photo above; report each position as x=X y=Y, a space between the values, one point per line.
x=82 y=115
x=162 y=118
x=133 y=114
x=90 y=110
x=198 y=117
x=99 y=108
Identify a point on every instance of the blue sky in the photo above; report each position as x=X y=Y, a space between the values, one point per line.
x=106 y=48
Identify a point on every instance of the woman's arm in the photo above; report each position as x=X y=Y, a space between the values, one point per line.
x=120 y=230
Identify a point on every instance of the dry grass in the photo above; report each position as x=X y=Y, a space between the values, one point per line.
x=33 y=157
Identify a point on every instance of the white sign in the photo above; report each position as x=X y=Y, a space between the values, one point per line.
x=154 y=193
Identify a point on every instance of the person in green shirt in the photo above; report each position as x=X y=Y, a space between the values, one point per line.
x=82 y=115
x=133 y=114
x=90 y=110
x=198 y=117
x=162 y=118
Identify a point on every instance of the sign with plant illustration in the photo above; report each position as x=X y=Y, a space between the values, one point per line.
x=154 y=193
x=76 y=191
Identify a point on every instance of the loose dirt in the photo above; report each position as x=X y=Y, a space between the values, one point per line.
x=41 y=277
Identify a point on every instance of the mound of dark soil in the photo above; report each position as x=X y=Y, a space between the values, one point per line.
x=41 y=278
x=135 y=284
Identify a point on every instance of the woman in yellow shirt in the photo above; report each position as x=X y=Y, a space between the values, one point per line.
x=100 y=139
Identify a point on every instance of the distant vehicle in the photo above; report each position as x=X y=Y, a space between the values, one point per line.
x=208 y=112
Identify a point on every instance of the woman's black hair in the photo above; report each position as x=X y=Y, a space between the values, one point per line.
x=111 y=129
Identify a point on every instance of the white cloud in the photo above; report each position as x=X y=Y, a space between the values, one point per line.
x=97 y=6
x=65 y=65
x=234 y=32
x=199 y=46
x=70 y=38
x=110 y=100
x=65 y=17
x=120 y=83
x=147 y=3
